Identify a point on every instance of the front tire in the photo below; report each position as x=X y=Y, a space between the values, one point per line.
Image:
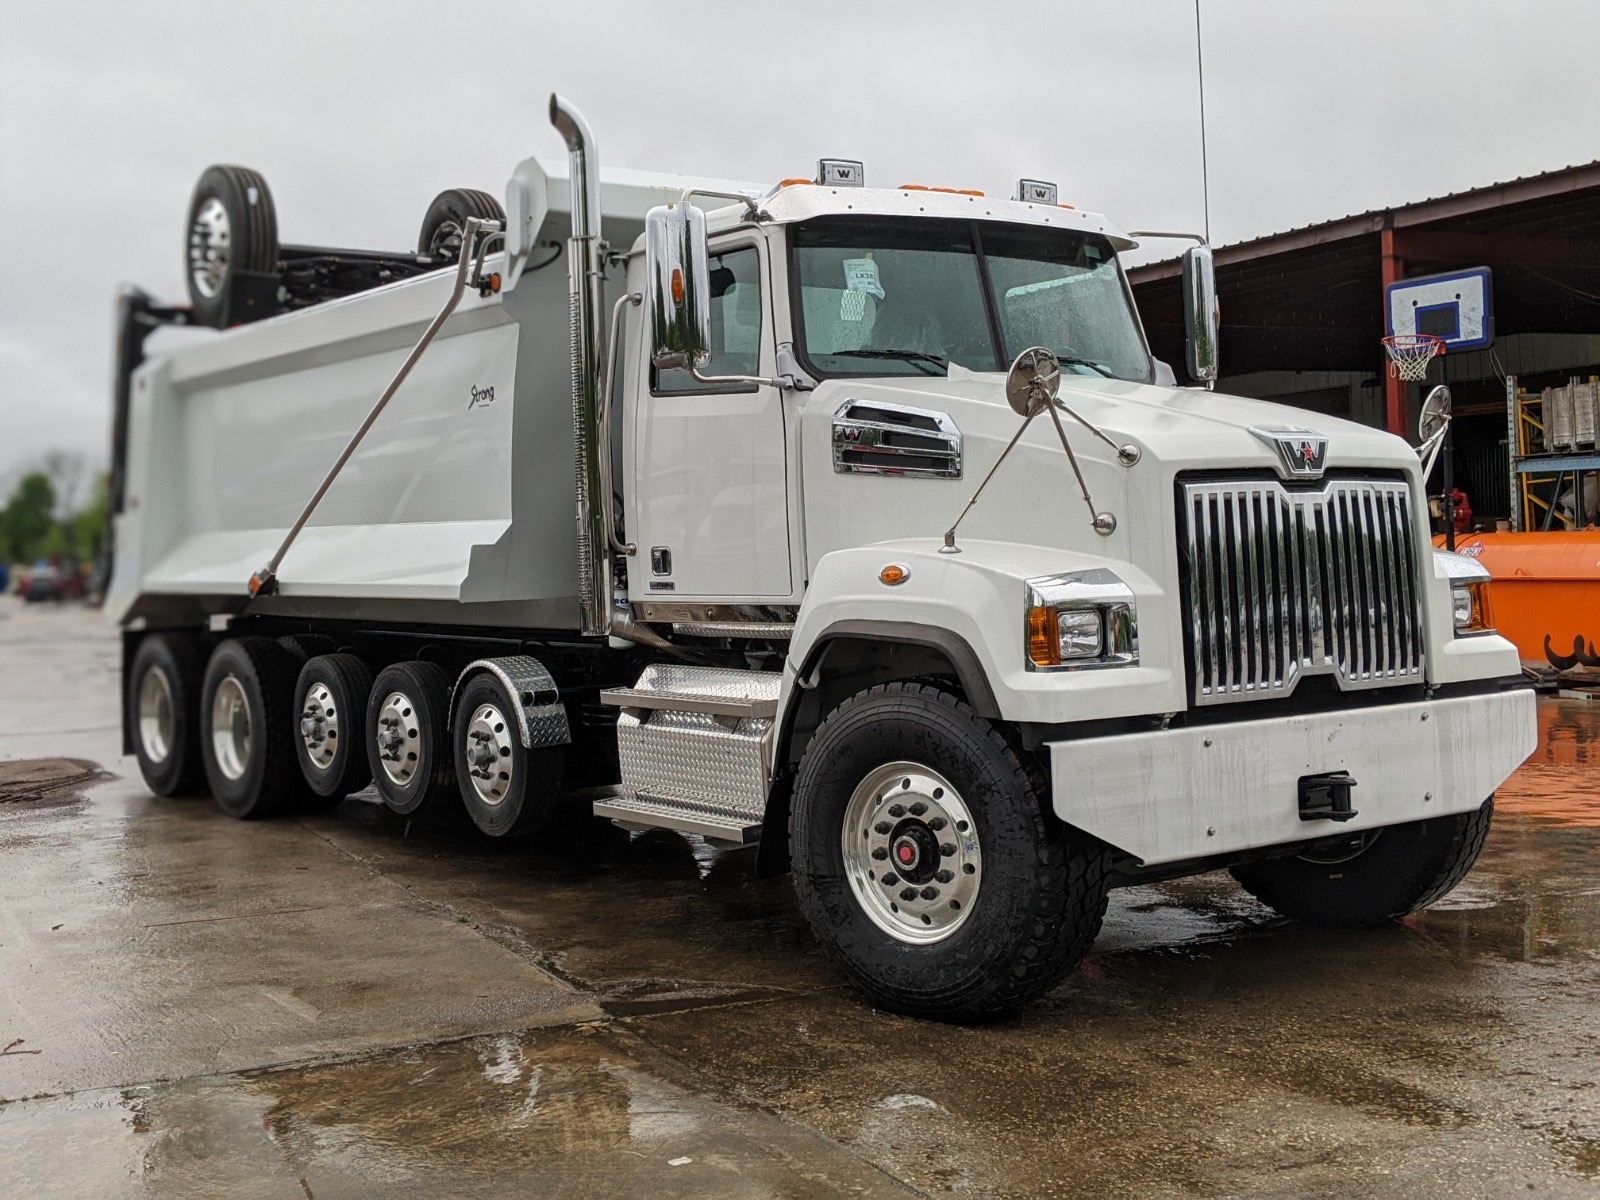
x=247 y=711
x=163 y=713
x=967 y=923
x=507 y=789
x=1374 y=877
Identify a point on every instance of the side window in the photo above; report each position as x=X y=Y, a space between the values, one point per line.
x=735 y=326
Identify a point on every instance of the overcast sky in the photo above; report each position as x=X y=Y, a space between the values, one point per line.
x=358 y=113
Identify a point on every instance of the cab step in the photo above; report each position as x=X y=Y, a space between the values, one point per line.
x=695 y=748
x=639 y=812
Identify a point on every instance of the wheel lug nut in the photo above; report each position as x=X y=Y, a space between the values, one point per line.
x=908 y=893
x=890 y=879
x=947 y=849
x=936 y=824
x=944 y=876
x=930 y=893
x=883 y=827
x=897 y=810
x=880 y=854
x=918 y=809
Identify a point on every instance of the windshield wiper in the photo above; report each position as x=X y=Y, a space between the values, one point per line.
x=1073 y=360
x=914 y=356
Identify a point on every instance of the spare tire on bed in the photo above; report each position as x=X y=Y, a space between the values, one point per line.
x=440 y=238
x=232 y=227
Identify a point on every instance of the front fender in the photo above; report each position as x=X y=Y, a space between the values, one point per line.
x=977 y=598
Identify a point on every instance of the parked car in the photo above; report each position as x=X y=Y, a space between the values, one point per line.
x=43 y=582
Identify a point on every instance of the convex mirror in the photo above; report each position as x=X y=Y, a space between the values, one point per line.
x=1033 y=381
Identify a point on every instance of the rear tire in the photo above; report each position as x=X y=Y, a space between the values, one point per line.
x=944 y=806
x=407 y=737
x=247 y=711
x=162 y=708
x=232 y=226
x=332 y=691
x=442 y=228
x=507 y=790
x=1397 y=871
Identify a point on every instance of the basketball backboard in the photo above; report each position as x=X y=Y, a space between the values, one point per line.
x=1457 y=306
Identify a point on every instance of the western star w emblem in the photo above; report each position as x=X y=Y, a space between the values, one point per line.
x=1303 y=453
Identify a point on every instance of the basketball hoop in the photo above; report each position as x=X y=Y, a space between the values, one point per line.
x=1410 y=353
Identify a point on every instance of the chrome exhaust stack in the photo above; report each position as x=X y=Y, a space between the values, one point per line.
x=588 y=354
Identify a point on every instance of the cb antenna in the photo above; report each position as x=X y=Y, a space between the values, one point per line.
x=1205 y=174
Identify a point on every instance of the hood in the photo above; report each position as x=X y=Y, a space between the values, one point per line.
x=1183 y=428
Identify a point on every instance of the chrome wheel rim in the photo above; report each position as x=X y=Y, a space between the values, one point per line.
x=155 y=715
x=399 y=737
x=210 y=246
x=446 y=242
x=911 y=852
x=230 y=727
x=319 y=726
x=488 y=754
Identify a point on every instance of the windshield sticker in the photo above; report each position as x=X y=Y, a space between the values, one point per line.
x=861 y=281
x=861 y=275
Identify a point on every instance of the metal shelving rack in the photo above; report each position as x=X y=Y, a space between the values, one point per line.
x=1532 y=472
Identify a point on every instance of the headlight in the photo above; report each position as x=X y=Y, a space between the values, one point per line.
x=1080 y=620
x=1469 y=593
x=1469 y=606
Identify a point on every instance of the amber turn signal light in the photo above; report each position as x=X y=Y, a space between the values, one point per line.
x=1044 y=637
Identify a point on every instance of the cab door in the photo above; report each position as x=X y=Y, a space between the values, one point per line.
x=709 y=505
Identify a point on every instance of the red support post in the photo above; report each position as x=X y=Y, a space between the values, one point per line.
x=1395 y=390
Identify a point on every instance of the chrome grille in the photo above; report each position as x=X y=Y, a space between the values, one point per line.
x=1281 y=584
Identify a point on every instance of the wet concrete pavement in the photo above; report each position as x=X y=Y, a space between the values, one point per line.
x=342 y=1005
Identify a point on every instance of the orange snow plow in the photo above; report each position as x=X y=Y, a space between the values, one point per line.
x=1546 y=591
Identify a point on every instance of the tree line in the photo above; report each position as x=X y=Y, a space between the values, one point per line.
x=56 y=511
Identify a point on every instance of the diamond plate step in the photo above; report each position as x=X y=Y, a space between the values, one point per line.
x=715 y=706
x=643 y=812
x=718 y=692
x=693 y=746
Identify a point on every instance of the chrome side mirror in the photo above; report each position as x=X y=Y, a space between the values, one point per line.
x=1201 y=317
x=678 y=275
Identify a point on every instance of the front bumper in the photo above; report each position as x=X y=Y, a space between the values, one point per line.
x=1190 y=793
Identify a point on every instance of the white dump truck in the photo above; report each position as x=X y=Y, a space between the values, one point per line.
x=856 y=522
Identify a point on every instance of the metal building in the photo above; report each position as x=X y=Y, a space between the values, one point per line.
x=1303 y=312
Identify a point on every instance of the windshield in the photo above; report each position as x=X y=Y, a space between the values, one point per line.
x=896 y=296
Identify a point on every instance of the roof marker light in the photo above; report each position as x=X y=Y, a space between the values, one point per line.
x=840 y=172
x=1035 y=191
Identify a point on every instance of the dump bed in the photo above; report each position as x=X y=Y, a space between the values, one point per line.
x=459 y=505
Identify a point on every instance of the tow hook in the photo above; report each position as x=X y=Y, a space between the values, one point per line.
x=1326 y=797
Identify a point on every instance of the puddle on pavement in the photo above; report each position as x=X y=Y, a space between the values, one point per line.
x=562 y=1113
x=1560 y=783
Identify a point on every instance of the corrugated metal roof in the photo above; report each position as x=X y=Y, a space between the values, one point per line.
x=1502 y=193
x=1554 y=173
